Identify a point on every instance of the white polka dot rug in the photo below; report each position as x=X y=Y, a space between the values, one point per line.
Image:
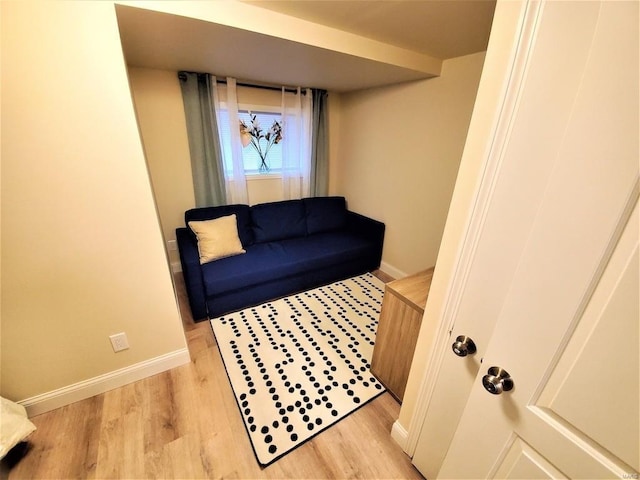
x=299 y=364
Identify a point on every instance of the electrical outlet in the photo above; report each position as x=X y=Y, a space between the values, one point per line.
x=119 y=342
x=172 y=245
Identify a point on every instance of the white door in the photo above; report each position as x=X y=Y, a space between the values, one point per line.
x=567 y=330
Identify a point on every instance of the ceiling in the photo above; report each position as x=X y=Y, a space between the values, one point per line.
x=338 y=45
x=440 y=28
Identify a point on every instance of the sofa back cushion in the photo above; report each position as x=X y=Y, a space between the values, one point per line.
x=242 y=213
x=325 y=214
x=278 y=220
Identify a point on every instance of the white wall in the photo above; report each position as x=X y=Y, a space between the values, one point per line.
x=398 y=152
x=82 y=250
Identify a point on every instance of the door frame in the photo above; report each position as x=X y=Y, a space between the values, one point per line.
x=501 y=96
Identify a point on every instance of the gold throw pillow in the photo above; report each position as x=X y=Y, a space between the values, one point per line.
x=217 y=238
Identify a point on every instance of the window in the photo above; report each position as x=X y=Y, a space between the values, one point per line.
x=266 y=116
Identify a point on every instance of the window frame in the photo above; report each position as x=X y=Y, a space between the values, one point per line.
x=255 y=174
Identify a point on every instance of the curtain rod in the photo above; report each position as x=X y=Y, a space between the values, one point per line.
x=264 y=87
x=251 y=85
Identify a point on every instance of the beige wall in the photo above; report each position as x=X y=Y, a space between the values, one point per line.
x=160 y=112
x=334 y=115
x=82 y=253
x=480 y=136
x=82 y=248
x=398 y=164
x=399 y=148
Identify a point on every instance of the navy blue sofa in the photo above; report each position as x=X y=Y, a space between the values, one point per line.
x=290 y=246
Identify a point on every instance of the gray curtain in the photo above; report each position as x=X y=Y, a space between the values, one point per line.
x=204 y=141
x=319 y=181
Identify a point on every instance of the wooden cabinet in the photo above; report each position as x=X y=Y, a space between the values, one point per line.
x=400 y=320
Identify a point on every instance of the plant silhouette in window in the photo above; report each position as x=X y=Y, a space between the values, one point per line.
x=262 y=141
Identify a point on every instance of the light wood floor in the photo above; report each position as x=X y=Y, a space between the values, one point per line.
x=185 y=423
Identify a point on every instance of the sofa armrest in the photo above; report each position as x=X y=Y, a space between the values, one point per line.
x=192 y=272
x=368 y=228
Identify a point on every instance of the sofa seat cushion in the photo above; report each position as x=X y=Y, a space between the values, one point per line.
x=262 y=262
x=273 y=261
x=326 y=249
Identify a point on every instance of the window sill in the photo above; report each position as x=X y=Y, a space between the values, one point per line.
x=263 y=176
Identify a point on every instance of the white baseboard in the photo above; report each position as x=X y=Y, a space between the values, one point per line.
x=400 y=435
x=393 y=271
x=94 y=386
